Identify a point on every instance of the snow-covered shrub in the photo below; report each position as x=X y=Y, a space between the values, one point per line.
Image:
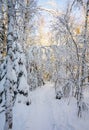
x=59 y=95
x=19 y=77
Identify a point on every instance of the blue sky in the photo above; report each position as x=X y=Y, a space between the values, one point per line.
x=60 y=3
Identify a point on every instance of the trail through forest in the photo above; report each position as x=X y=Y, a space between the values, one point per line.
x=47 y=113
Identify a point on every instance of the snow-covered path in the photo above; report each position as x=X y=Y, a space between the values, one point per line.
x=42 y=114
x=39 y=115
x=47 y=113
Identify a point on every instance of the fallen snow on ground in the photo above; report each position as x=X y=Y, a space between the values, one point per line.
x=47 y=113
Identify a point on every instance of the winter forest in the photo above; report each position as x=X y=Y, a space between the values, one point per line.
x=44 y=64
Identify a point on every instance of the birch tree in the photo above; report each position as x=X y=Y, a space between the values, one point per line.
x=15 y=67
x=10 y=73
x=76 y=64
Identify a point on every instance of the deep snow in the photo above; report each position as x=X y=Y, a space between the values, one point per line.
x=48 y=113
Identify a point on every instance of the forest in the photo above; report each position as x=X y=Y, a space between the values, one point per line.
x=44 y=64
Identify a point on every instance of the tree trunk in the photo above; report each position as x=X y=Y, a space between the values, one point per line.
x=10 y=59
x=83 y=64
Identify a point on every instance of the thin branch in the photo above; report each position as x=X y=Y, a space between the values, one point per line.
x=2 y=111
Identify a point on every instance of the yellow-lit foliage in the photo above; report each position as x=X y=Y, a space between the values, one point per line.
x=52 y=58
x=46 y=76
x=77 y=30
x=4 y=53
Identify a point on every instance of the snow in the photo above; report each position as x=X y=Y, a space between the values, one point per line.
x=48 y=113
x=1 y=85
x=23 y=84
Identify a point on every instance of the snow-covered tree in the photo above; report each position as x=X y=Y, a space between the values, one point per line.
x=35 y=76
x=66 y=32
x=16 y=76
